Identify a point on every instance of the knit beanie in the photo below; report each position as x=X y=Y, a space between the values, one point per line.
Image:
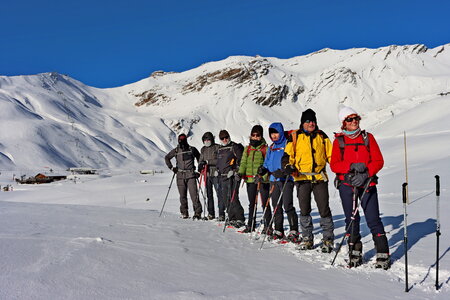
x=308 y=115
x=345 y=112
x=257 y=129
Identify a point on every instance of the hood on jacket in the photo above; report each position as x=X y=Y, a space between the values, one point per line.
x=279 y=128
x=208 y=136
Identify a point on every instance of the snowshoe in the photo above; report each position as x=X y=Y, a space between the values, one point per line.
x=355 y=259
x=293 y=237
x=247 y=229
x=276 y=235
x=327 y=246
x=268 y=231
x=238 y=224
x=383 y=261
x=305 y=244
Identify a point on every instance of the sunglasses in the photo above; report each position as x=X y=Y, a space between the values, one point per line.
x=224 y=138
x=350 y=119
x=256 y=135
x=310 y=121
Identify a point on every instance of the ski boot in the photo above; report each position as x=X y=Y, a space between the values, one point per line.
x=355 y=259
x=383 y=261
x=293 y=237
x=306 y=244
x=277 y=235
x=327 y=246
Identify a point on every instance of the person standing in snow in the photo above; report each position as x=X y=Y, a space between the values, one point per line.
x=356 y=159
x=252 y=159
x=278 y=177
x=185 y=156
x=228 y=158
x=208 y=160
x=308 y=151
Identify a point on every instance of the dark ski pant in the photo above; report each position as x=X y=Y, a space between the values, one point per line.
x=211 y=181
x=252 y=193
x=321 y=197
x=288 y=203
x=183 y=186
x=229 y=199
x=369 y=204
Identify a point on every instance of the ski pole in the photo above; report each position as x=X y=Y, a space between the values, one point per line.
x=355 y=211
x=438 y=229
x=405 y=235
x=275 y=210
x=170 y=185
x=199 y=182
x=265 y=209
x=252 y=227
x=256 y=205
x=229 y=205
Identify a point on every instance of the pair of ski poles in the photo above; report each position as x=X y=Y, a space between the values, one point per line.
x=352 y=219
x=438 y=231
x=235 y=187
x=274 y=210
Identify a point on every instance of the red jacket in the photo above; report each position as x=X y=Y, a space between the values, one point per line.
x=356 y=154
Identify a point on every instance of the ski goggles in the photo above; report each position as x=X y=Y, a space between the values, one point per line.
x=350 y=119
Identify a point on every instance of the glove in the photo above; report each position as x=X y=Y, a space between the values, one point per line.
x=201 y=166
x=175 y=170
x=237 y=177
x=358 y=167
x=230 y=174
x=197 y=175
x=289 y=169
x=359 y=179
x=279 y=173
x=262 y=171
x=258 y=179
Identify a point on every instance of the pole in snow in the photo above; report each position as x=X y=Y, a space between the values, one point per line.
x=405 y=235
x=170 y=185
x=438 y=229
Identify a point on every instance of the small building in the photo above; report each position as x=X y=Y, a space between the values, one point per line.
x=40 y=178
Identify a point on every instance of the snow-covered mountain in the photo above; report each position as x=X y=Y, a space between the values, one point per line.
x=56 y=121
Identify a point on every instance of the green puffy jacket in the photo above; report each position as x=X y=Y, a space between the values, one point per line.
x=252 y=159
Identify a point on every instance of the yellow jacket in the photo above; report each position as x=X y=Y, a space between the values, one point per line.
x=309 y=154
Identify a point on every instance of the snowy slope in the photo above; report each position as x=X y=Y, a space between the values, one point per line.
x=100 y=238
x=53 y=120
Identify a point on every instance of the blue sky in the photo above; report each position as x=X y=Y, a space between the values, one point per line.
x=112 y=43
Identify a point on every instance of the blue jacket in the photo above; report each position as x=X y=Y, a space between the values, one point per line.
x=275 y=152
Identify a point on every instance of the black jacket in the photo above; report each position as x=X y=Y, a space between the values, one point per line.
x=229 y=157
x=185 y=161
x=209 y=156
